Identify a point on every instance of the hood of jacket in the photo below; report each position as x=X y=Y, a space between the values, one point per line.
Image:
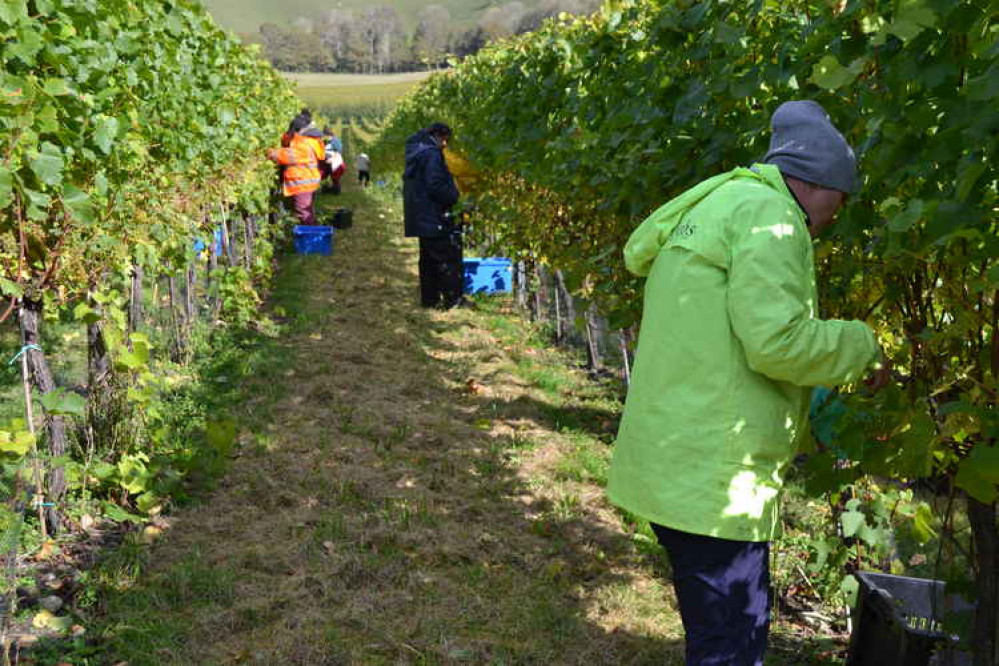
x=418 y=144
x=651 y=235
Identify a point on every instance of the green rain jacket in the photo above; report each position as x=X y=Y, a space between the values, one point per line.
x=730 y=345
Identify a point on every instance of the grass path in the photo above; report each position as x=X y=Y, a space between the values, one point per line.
x=412 y=487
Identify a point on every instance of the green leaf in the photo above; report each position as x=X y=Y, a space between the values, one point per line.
x=27 y=43
x=141 y=346
x=55 y=87
x=852 y=521
x=967 y=177
x=17 y=443
x=849 y=587
x=47 y=620
x=38 y=204
x=10 y=12
x=119 y=515
x=6 y=186
x=986 y=461
x=133 y=475
x=147 y=500
x=904 y=220
x=9 y=288
x=105 y=132
x=970 y=481
x=828 y=73
x=78 y=202
x=86 y=314
x=101 y=184
x=911 y=19
x=978 y=474
x=138 y=357
x=985 y=87
x=915 y=444
x=922 y=524
x=61 y=402
x=48 y=164
x=103 y=470
x=872 y=536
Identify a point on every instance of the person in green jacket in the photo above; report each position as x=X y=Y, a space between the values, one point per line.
x=731 y=345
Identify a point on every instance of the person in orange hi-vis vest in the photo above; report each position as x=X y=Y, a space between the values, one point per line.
x=300 y=176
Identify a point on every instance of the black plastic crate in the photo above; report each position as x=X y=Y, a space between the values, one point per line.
x=343 y=218
x=898 y=621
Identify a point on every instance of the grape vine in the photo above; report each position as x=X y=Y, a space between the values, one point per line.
x=129 y=130
x=585 y=126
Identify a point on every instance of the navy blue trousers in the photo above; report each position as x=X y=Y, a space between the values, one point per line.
x=722 y=588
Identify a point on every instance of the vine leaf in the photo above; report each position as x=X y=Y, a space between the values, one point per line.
x=904 y=220
x=6 y=186
x=978 y=474
x=852 y=521
x=10 y=288
x=911 y=20
x=61 y=402
x=48 y=164
x=17 y=443
x=828 y=73
x=105 y=132
x=922 y=524
x=78 y=202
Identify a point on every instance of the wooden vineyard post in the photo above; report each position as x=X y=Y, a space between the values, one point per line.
x=175 y=318
x=190 y=287
x=539 y=274
x=569 y=334
x=30 y=316
x=520 y=285
x=249 y=231
x=135 y=299
x=593 y=339
x=623 y=337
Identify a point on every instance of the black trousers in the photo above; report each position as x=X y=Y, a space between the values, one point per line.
x=723 y=590
x=442 y=274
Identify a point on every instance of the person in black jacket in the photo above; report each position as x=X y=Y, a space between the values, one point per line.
x=429 y=193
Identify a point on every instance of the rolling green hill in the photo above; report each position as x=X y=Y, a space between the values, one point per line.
x=246 y=15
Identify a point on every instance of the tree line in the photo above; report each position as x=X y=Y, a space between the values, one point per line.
x=375 y=40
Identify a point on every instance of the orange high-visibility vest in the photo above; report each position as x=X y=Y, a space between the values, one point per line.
x=301 y=165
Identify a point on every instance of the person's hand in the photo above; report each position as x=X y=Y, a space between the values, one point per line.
x=272 y=154
x=880 y=377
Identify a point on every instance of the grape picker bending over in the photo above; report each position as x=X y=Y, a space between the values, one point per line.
x=730 y=345
x=300 y=159
x=429 y=193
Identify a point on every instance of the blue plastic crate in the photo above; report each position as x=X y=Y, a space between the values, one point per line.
x=488 y=275
x=199 y=243
x=313 y=239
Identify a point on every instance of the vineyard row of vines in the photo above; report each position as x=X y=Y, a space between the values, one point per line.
x=581 y=128
x=131 y=157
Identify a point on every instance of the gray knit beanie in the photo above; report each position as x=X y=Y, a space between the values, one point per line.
x=805 y=145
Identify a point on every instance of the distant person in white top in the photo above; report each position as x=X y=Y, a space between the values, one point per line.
x=363 y=164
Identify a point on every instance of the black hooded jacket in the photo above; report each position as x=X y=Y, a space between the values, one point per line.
x=428 y=188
